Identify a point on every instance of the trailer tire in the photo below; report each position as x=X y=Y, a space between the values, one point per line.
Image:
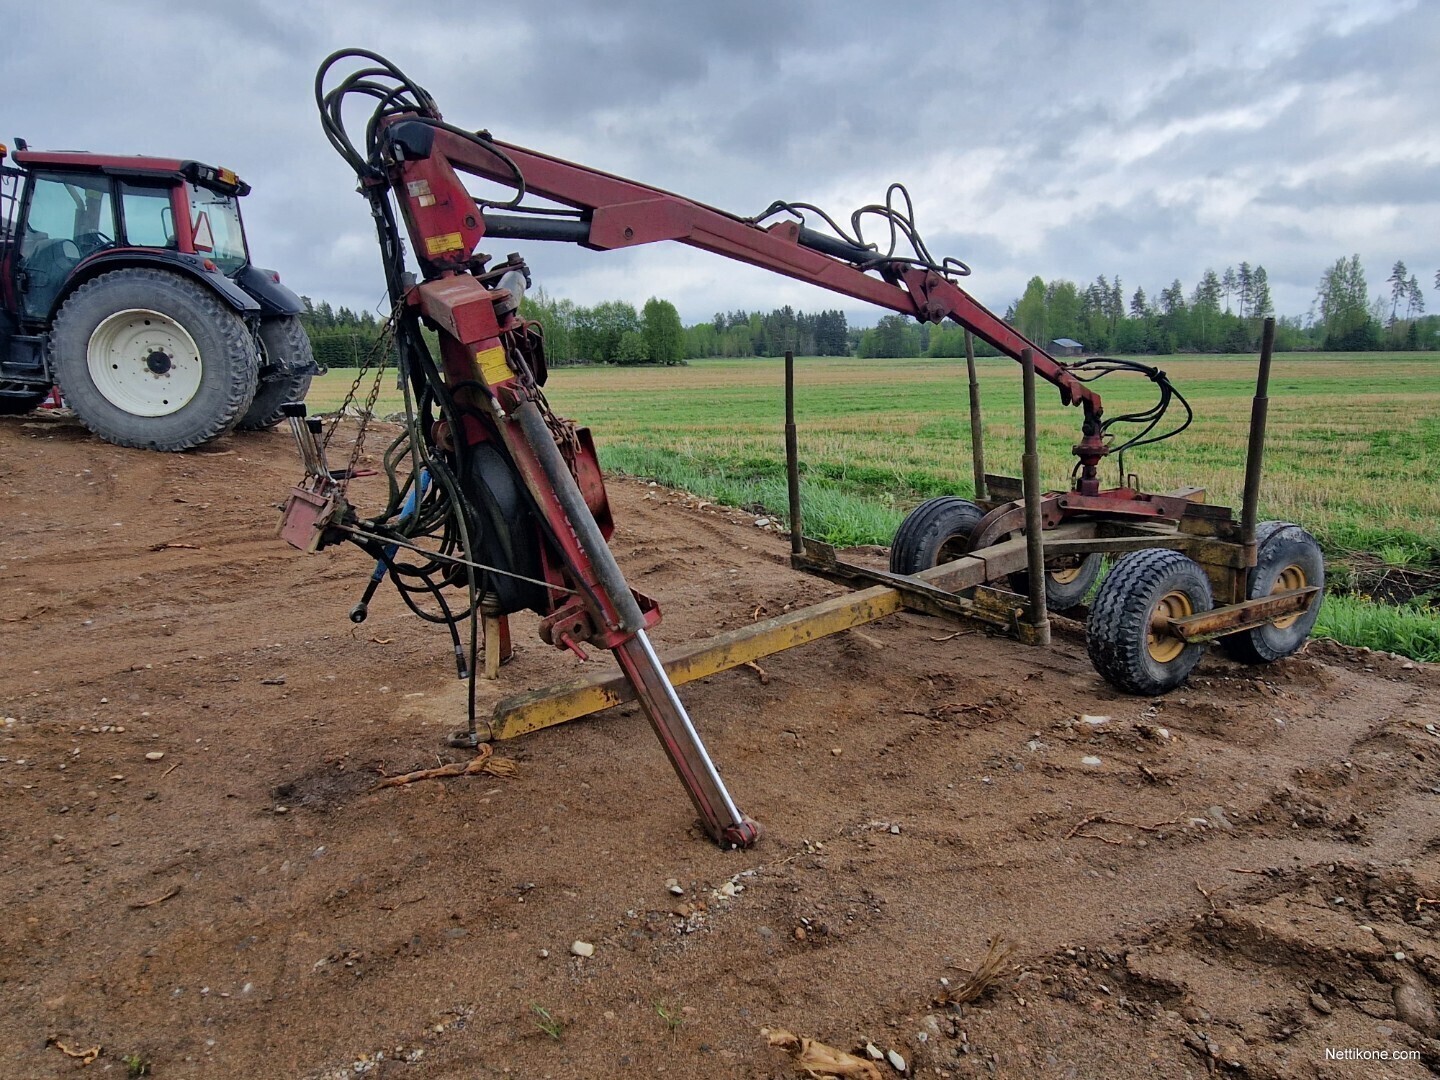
x=283 y=342
x=1287 y=557
x=935 y=532
x=152 y=360
x=1144 y=587
x=1065 y=587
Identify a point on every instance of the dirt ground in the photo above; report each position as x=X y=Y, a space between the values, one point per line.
x=1235 y=879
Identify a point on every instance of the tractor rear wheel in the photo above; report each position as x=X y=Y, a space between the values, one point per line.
x=19 y=399
x=1287 y=557
x=937 y=531
x=149 y=359
x=285 y=345
x=1127 y=633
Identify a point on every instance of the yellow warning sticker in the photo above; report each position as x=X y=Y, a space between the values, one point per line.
x=492 y=365
x=438 y=245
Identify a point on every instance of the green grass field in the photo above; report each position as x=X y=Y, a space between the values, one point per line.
x=1352 y=453
x=1353 y=448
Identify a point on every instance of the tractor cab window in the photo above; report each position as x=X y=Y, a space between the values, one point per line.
x=216 y=229
x=149 y=217
x=68 y=218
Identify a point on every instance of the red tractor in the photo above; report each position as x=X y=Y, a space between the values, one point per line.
x=127 y=282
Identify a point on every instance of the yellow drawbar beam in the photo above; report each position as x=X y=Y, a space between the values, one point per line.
x=551 y=705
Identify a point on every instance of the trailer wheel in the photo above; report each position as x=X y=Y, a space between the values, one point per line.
x=1068 y=580
x=149 y=359
x=937 y=531
x=19 y=398
x=284 y=343
x=1125 y=632
x=1287 y=558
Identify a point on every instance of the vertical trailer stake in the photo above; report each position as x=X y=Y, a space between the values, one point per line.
x=1034 y=542
x=977 y=437
x=792 y=459
x=1255 y=453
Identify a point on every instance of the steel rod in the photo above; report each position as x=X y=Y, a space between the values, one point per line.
x=1255 y=454
x=792 y=460
x=977 y=437
x=711 y=774
x=692 y=763
x=1030 y=470
x=536 y=433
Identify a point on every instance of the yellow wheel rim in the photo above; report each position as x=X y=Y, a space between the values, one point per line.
x=1292 y=577
x=956 y=547
x=1064 y=575
x=1162 y=645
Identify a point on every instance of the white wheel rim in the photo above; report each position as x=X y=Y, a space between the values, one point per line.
x=144 y=362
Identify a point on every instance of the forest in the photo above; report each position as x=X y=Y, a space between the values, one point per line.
x=1221 y=313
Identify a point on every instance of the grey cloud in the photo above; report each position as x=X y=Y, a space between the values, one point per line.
x=746 y=101
x=1393 y=183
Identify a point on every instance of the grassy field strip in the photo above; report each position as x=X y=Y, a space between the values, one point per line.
x=1353 y=448
x=1353 y=620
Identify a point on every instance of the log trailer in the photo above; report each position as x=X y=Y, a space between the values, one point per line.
x=493 y=496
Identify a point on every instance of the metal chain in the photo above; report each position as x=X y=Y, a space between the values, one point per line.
x=563 y=431
x=383 y=345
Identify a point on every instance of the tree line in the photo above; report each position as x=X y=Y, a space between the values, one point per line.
x=1224 y=312
x=752 y=333
x=338 y=338
x=612 y=332
x=1221 y=313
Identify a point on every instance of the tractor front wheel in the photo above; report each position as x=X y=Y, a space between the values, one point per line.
x=1127 y=634
x=149 y=359
x=285 y=349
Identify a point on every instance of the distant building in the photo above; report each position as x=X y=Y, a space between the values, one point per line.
x=1065 y=347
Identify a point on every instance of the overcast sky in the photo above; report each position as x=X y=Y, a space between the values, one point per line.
x=1067 y=139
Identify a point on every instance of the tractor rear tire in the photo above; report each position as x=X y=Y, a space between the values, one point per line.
x=19 y=403
x=1287 y=557
x=153 y=360
x=1124 y=636
x=283 y=342
x=937 y=531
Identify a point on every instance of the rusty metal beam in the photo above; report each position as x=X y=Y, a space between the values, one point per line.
x=523 y=713
x=1217 y=622
x=929 y=591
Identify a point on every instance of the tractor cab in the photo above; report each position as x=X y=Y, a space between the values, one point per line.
x=72 y=206
x=128 y=281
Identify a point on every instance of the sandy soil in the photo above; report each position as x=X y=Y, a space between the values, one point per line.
x=1249 y=895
